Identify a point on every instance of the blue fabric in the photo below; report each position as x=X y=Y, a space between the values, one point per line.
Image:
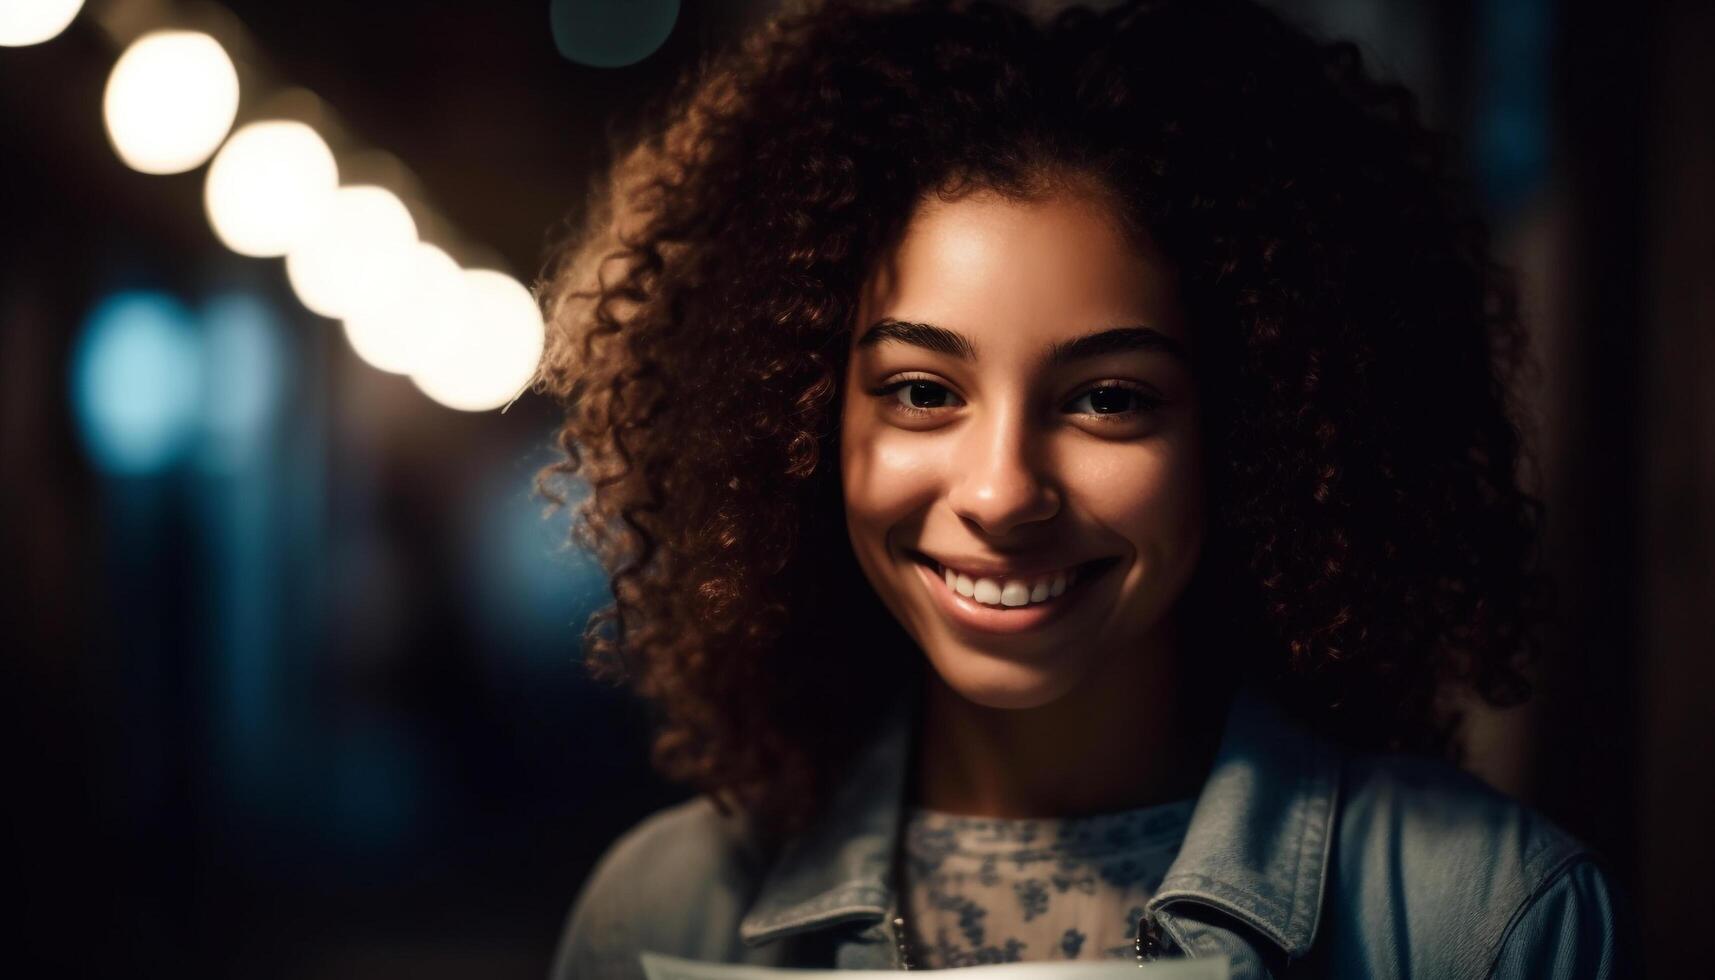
x=1301 y=859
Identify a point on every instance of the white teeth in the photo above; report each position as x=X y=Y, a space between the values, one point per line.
x=1008 y=593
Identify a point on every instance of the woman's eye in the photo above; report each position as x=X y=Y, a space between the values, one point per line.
x=1111 y=400
x=919 y=397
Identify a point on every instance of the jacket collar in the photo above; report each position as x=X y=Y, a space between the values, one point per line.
x=837 y=869
x=1258 y=843
x=1256 y=848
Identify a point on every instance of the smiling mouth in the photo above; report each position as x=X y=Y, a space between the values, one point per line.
x=1016 y=594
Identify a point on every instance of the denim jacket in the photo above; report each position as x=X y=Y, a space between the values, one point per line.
x=1300 y=859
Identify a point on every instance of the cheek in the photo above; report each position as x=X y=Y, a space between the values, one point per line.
x=889 y=484
x=1151 y=494
x=887 y=475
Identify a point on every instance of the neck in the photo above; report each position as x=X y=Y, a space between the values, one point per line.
x=1139 y=731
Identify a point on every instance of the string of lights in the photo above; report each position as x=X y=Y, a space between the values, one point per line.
x=470 y=337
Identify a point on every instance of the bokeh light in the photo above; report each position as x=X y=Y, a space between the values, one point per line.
x=610 y=33
x=427 y=301
x=136 y=382
x=365 y=238
x=26 y=22
x=269 y=187
x=244 y=377
x=529 y=582
x=490 y=352
x=170 y=101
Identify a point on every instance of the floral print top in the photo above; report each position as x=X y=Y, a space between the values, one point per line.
x=990 y=890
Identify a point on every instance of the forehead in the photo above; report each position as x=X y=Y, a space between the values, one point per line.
x=1007 y=272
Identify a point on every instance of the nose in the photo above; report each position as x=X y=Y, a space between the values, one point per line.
x=998 y=477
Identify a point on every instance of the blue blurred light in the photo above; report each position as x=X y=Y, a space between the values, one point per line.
x=1515 y=39
x=379 y=786
x=533 y=589
x=610 y=33
x=136 y=382
x=244 y=366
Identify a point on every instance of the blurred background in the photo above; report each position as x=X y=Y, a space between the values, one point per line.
x=293 y=684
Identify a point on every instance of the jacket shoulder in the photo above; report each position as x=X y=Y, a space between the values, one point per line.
x=1430 y=813
x=1432 y=867
x=676 y=883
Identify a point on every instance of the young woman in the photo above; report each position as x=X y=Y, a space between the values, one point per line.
x=1057 y=478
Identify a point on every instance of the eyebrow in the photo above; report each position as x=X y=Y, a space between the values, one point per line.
x=1118 y=340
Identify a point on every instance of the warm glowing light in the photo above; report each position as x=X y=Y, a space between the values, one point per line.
x=26 y=22
x=491 y=353
x=398 y=319
x=170 y=101
x=365 y=239
x=269 y=187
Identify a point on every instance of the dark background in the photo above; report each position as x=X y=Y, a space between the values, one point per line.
x=320 y=713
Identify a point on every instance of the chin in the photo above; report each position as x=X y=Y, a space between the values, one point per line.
x=992 y=682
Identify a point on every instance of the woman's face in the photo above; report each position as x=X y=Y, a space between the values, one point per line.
x=1020 y=416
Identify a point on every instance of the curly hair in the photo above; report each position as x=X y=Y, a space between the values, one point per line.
x=1370 y=546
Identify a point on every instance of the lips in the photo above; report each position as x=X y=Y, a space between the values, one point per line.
x=1016 y=615
x=1031 y=573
